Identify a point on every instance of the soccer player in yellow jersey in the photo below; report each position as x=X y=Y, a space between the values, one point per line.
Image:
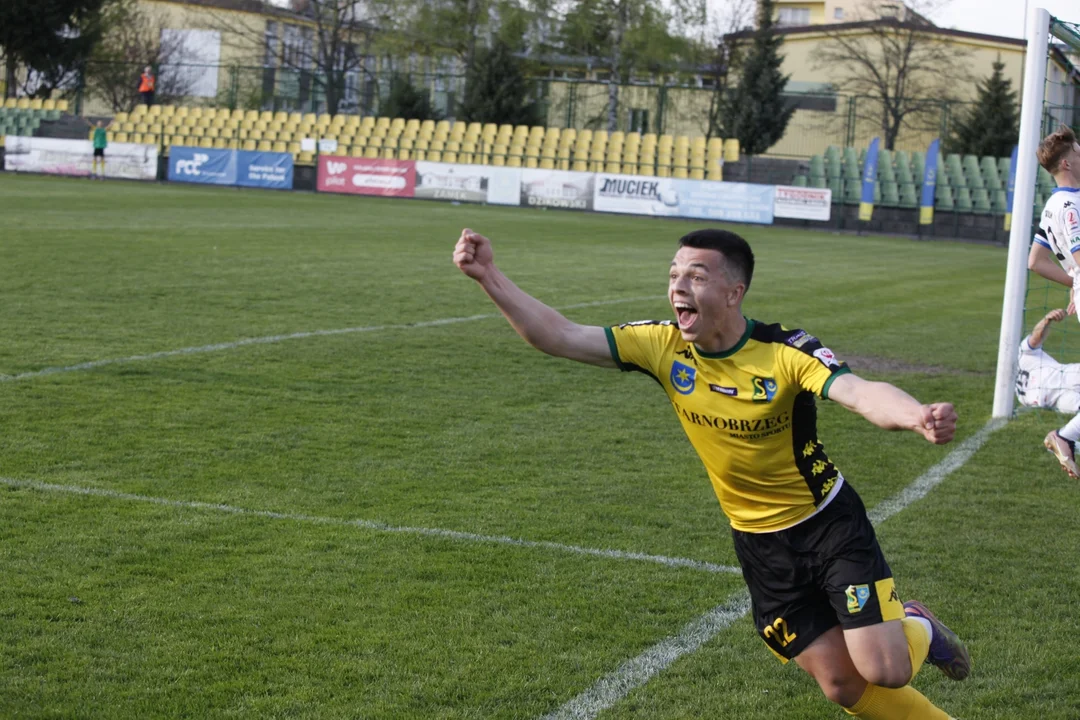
x=744 y=392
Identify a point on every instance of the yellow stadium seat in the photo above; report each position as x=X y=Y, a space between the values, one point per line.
x=281 y=117
x=221 y=144
x=177 y=140
x=613 y=167
x=121 y=137
x=513 y=161
x=449 y=157
x=547 y=164
x=294 y=148
x=368 y=121
x=62 y=105
x=371 y=151
x=265 y=146
x=306 y=158
x=731 y=150
x=697 y=173
x=49 y=104
x=281 y=147
x=140 y=110
x=167 y=111
x=120 y=117
x=357 y=151
x=206 y=143
x=580 y=166
x=434 y=155
x=498 y=160
x=135 y=139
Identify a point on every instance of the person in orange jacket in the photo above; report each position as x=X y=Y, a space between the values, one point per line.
x=146 y=86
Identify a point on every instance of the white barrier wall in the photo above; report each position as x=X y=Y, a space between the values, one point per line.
x=75 y=157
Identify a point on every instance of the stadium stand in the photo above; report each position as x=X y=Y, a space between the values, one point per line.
x=442 y=141
x=23 y=116
x=964 y=183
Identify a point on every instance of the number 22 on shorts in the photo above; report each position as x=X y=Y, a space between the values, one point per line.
x=778 y=631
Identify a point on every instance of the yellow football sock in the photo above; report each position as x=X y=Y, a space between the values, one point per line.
x=905 y=703
x=918 y=644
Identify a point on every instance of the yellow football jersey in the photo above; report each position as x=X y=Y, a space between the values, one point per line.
x=749 y=412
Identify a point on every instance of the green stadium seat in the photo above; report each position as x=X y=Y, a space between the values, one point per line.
x=884 y=157
x=852 y=192
x=963 y=200
x=886 y=173
x=981 y=201
x=832 y=153
x=819 y=182
x=833 y=168
x=1004 y=166
x=799 y=181
x=890 y=194
x=817 y=166
x=974 y=180
x=917 y=165
x=1000 y=204
x=837 y=186
x=851 y=170
x=851 y=155
x=944 y=199
x=904 y=176
x=909 y=197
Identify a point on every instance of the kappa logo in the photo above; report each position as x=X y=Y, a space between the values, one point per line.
x=682 y=378
x=825 y=355
x=336 y=168
x=857 y=597
x=688 y=354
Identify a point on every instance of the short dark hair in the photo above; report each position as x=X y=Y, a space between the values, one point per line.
x=1054 y=147
x=734 y=248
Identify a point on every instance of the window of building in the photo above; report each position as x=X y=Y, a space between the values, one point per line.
x=794 y=16
x=270 y=58
x=838 y=13
x=639 y=120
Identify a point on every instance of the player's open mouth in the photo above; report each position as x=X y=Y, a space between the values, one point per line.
x=686 y=314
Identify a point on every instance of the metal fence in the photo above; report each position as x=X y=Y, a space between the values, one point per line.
x=820 y=119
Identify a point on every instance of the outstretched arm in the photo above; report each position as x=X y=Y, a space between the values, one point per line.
x=889 y=407
x=542 y=327
x=1042 y=261
x=1039 y=332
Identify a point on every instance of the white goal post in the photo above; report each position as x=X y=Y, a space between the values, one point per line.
x=1016 y=273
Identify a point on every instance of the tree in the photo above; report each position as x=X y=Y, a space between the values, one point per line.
x=756 y=112
x=496 y=90
x=724 y=63
x=898 y=68
x=992 y=126
x=407 y=101
x=49 y=37
x=132 y=39
x=333 y=37
x=629 y=35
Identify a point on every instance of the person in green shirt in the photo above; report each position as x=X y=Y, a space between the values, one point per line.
x=101 y=141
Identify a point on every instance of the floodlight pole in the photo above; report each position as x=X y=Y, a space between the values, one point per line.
x=1016 y=273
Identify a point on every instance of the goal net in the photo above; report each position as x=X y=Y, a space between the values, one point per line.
x=1051 y=98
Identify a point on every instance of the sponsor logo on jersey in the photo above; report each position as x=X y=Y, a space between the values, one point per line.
x=682 y=378
x=730 y=391
x=800 y=338
x=827 y=358
x=740 y=428
x=857 y=597
x=764 y=389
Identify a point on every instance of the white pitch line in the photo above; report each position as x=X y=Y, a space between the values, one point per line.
x=270 y=339
x=376 y=526
x=634 y=673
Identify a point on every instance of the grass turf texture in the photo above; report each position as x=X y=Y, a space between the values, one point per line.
x=114 y=608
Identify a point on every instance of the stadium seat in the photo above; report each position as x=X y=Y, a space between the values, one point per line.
x=800 y=181
x=890 y=194
x=963 y=200
x=908 y=196
x=943 y=201
x=1000 y=202
x=980 y=201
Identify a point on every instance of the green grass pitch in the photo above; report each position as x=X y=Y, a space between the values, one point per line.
x=115 y=607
